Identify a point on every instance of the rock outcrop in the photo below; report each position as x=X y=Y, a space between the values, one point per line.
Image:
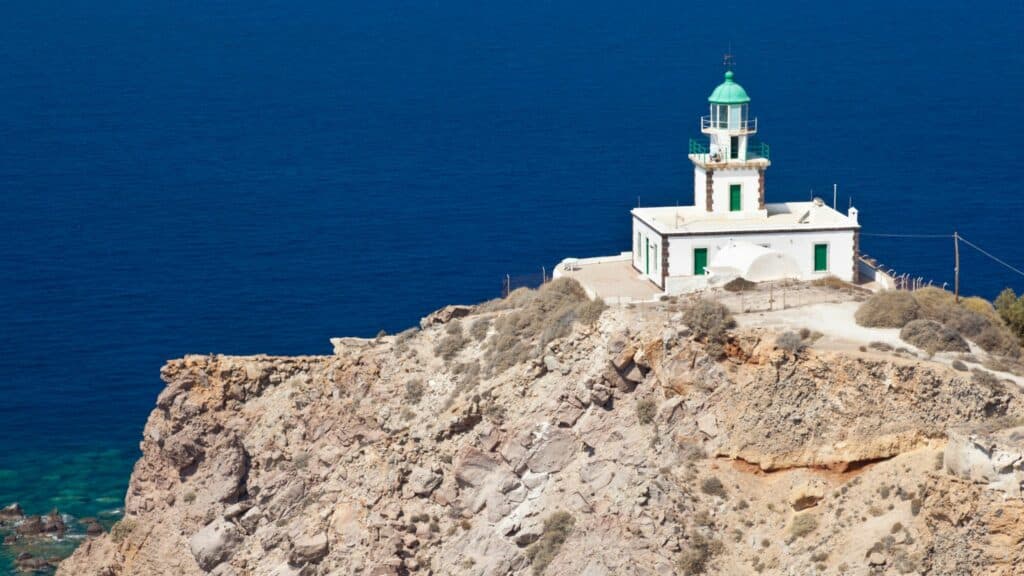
x=616 y=446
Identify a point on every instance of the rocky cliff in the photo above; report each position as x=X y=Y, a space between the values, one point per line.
x=546 y=434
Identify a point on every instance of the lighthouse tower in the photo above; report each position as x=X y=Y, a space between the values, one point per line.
x=729 y=168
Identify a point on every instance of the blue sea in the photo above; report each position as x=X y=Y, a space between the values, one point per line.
x=259 y=176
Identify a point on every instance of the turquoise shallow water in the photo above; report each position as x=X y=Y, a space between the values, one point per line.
x=260 y=176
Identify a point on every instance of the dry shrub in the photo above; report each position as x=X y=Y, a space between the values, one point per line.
x=888 y=309
x=834 y=283
x=802 y=525
x=986 y=379
x=708 y=319
x=539 y=317
x=478 y=330
x=713 y=487
x=960 y=366
x=453 y=341
x=933 y=337
x=414 y=390
x=646 y=410
x=974 y=318
x=791 y=342
x=698 y=553
x=557 y=528
x=739 y=285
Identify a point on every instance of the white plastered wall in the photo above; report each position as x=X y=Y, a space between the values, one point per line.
x=647 y=235
x=798 y=244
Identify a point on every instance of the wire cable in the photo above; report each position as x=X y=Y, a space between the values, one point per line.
x=908 y=235
x=979 y=249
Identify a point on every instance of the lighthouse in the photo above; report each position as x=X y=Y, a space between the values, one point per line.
x=731 y=230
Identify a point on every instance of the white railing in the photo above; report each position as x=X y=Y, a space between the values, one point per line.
x=709 y=123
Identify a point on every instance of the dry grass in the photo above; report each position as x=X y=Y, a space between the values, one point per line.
x=557 y=528
x=708 y=319
x=802 y=525
x=537 y=317
x=889 y=309
x=791 y=342
x=697 y=554
x=646 y=410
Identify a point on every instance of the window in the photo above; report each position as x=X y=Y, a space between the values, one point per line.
x=821 y=257
x=734 y=147
x=735 y=197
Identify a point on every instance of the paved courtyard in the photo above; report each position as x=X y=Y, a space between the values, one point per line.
x=615 y=281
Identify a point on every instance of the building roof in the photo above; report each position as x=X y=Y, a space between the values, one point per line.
x=786 y=216
x=729 y=92
x=753 y=262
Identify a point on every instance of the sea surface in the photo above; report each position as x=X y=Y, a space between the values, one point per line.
x=259 y=176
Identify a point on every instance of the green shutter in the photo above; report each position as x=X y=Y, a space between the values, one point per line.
x=735 y=204
x=700 y=261
x=820 y=257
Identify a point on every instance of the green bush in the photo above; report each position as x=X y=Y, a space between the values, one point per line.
x=933 y=337
x=888 y=309
x=557 y=528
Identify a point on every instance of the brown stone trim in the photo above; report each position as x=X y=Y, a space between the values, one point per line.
x=664 y=260
x=856 y=256
x=760 y=189
x=709 y=189
x=763 y=231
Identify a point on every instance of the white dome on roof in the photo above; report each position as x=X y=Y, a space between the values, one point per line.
x=753 y=262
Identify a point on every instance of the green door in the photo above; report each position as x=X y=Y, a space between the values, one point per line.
x=734 y=198
x=820 y=257
x=647 y=256
x=700 y=261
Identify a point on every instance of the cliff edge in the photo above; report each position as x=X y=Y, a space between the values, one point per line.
x=547 y=434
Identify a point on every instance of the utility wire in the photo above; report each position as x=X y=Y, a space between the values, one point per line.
x=909 y=235
x=979 y=249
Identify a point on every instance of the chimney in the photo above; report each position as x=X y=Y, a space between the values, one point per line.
x=852 y=213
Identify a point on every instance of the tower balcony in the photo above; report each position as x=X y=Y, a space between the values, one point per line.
x=732 y=125
x=756 y=153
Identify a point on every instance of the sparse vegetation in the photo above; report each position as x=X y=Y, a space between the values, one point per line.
x=537 y=317
x=478 y=329
x=454 y=340
x=790 y=342
x=414 y=390
x=708 y=320
x=888 y=309
x=646 y=410
x=985 y=379
x=933 y=337
x=189 y=497
x=713 y=487
x=557 y=528
x=958 y=365
x=122 y=529
x=802 y=525
x=696 y=556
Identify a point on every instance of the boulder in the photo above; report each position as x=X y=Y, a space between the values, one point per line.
x=994 y=459
x=474 y=466
x=309 y=549
x=31 y=526
x=214 y=543
x=445 y=315
x=11 y=512
x=806 y=495
x=554 y=452
x=422 y=481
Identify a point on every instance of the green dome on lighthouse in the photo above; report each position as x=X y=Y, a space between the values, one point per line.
x=729 y=92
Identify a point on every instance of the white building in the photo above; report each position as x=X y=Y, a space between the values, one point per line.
x=730 y=230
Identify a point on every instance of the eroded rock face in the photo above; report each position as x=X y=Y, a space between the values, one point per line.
x=995 y=459
x=339 y=465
